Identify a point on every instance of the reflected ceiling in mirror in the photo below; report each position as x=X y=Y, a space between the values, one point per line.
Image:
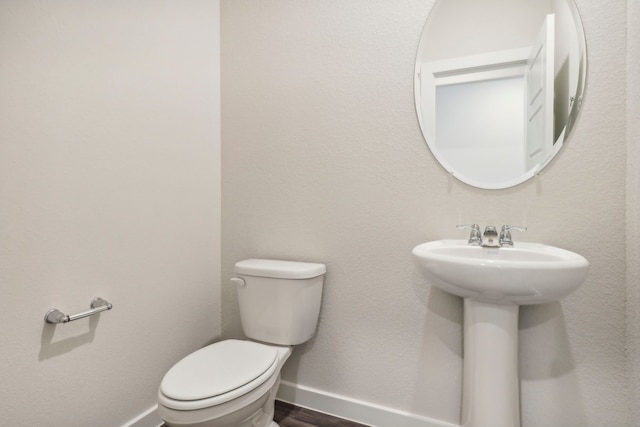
x=498 y=86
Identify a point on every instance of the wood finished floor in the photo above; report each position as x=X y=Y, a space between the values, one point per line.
x=288 y=415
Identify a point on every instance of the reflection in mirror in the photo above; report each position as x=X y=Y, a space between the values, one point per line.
x=498 y=86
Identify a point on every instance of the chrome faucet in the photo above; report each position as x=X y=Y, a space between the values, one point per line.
x=490 y=237
x=505 y=235
x=475 y=238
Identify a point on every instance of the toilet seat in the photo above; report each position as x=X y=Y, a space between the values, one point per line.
x=217 y=374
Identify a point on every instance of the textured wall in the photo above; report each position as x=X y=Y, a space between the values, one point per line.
x=323 y=160
x=633 y=204
x=109 y=186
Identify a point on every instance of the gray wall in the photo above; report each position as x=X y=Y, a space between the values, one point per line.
x=633 y=205
x=109 y=186
x=323 y=160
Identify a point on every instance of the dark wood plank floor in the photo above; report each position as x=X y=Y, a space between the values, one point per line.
x=288 y=415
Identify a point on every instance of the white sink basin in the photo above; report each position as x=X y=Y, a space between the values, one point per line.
x=528 y=273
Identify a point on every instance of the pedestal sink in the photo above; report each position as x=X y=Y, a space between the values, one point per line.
x=494 y=282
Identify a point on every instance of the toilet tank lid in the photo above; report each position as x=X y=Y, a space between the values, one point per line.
x=279 y=269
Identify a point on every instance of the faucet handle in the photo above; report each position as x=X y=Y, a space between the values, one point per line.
x=505 y=235
x=471 y=226
x=475 y=237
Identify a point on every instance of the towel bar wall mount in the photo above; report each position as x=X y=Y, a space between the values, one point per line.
x=98 y=305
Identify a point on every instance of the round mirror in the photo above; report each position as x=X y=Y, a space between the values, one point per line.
x=498 y=86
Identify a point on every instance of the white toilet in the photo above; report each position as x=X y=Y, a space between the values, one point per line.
x=233 y=383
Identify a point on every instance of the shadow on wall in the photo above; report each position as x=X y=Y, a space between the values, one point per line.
x=292 y=365
x=68 y=337
x=438 y=392
x=547 y=368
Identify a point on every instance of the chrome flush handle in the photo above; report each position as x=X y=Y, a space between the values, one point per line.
x=475 y=238
x=505 y=235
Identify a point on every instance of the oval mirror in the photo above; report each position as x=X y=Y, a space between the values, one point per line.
x=498 y=86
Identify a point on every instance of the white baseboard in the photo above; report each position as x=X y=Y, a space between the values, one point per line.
x=328 y=403
x=148 y=418
x=351 y=409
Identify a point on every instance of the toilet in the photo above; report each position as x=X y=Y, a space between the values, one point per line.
x=233 y=383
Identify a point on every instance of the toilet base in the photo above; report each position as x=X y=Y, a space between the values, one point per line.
x=257 y=412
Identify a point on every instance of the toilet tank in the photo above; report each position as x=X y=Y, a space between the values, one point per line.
x=279 y=301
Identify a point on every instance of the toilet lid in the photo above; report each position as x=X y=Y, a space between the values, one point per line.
x=218 y=369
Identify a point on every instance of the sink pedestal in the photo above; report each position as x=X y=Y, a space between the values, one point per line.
x=490 y=386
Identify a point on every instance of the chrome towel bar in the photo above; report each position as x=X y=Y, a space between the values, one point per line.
x=97 y=305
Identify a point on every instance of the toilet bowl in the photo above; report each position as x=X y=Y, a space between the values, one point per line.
x=229 y=383
x=233 y=383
